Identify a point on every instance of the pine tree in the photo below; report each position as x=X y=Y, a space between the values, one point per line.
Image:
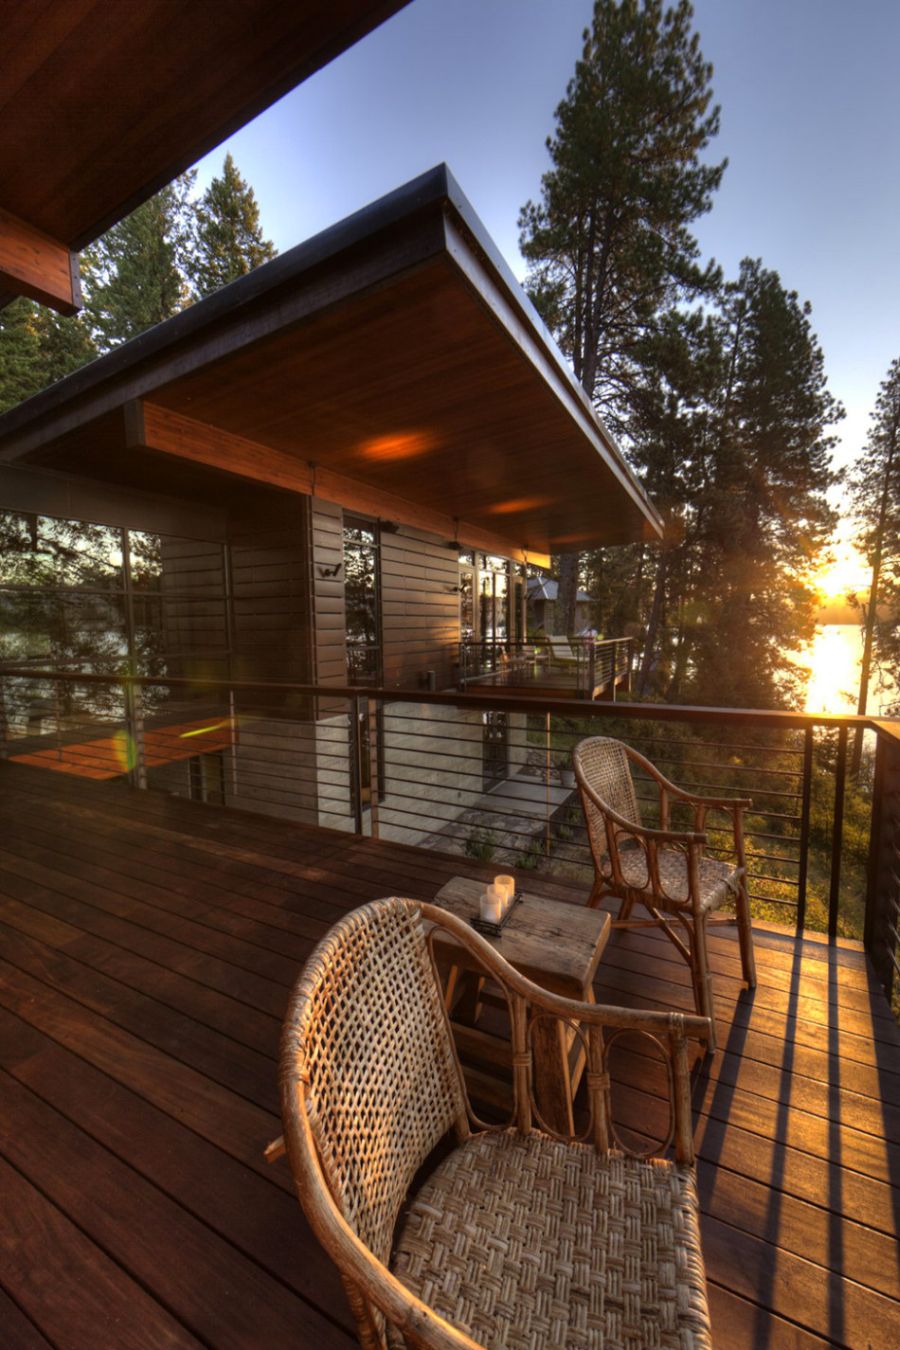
x=19 y=355
x=875 y=494
x=135 y=273
x=37 y=348
x=762 y=517
x=609 y=246
x=229 y=241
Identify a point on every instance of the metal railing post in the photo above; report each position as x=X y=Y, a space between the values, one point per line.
x=356 y=764
x=373 y=752
x=837 y=834
x=549 y=765
x=806 y=790
x=134 y=732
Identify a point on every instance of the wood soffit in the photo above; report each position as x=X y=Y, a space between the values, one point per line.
x=103 y=103
x=404 y=363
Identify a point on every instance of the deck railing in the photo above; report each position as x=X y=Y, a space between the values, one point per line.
x=488 y=775
x=585 y=663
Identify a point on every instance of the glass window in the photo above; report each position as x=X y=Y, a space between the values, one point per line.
x=467 y=604
x=361 y=601
x=493 y=601
x=495 y=748
x=43 y=551
x=65 y=629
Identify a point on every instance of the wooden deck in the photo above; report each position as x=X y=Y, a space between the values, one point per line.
x=148 y=946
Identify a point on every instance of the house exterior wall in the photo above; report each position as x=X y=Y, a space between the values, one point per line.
x=261 y=598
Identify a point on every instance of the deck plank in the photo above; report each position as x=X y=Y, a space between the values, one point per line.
x=155 y=1239
x=148 y=948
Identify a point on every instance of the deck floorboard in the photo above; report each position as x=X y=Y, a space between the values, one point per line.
x=147 y=948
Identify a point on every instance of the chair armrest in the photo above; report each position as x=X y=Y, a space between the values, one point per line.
x=670 y=1030
x=642 y=831
x=726 y=803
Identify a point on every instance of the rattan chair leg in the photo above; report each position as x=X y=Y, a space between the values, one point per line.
x=703 y=979
x=745 y=935
x=625 y=909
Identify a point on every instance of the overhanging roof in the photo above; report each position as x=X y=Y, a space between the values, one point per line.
x=394 y=352
x=102 y=102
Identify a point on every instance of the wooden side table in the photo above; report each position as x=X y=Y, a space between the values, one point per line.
x=557 y=946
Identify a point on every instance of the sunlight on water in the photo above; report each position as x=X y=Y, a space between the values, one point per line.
x=834 y=658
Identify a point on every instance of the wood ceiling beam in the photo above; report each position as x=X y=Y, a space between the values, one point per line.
x=33 y=264
x=150 y=426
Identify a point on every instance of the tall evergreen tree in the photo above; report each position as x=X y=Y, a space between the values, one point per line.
x=136 y=272
x=875 y=494
x=229 y=241
x=37 y=348
x=762 y=517
x=609 y=246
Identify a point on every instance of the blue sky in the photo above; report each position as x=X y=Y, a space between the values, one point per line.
x=810 y=96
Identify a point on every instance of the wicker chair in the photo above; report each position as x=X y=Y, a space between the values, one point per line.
x=665 y=870
x=517 y=1239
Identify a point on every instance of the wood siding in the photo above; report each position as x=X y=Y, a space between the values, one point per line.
x=419 y=609
x=330 y=648
x=270 y=596
x=194 y=619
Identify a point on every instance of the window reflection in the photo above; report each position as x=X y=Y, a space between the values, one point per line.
x=361 y=601
x=66 y=600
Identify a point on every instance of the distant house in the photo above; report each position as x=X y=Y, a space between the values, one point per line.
x=542 y=597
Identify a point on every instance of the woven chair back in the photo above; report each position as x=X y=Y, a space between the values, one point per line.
x=367 y=1036
x=603 y=765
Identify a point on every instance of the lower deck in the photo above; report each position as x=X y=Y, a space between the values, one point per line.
x=149 y=944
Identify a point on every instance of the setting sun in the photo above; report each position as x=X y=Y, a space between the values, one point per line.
x=847 y=574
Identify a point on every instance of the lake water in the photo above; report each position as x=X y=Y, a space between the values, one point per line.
x=835 y=657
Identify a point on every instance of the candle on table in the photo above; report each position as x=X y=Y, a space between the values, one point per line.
x=507 y=888
x=492 y=905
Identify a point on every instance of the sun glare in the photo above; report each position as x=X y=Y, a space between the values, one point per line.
x=833 y=659
x=847 y=573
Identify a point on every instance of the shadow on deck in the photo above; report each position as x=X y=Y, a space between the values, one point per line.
x=148 y=947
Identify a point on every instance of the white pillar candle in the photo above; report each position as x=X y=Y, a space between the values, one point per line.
x=507 y=887
x=491 y=905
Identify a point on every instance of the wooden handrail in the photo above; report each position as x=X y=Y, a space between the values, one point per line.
x=645 y=712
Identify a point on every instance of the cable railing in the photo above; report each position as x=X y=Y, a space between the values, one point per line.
x=585 y=665
x=488 y=776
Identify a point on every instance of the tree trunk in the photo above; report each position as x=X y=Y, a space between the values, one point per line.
x=654 y=624
x=568 y=593
x=872 y=612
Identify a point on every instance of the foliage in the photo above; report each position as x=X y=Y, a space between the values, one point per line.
x=135 y=274
x=530 y=858
x=718 y=390
x=874 y=496
x=730 y=429
x=154 y=262
x=38 y=347
x=228 y=240
x=481 y=844
x=609 y=246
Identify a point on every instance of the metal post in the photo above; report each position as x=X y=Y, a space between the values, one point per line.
x=356 y=764
x=134 y=730
x=549 y=764
x=806 y=789
x=874 y=879
x=837 y=834
x=374 y=750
